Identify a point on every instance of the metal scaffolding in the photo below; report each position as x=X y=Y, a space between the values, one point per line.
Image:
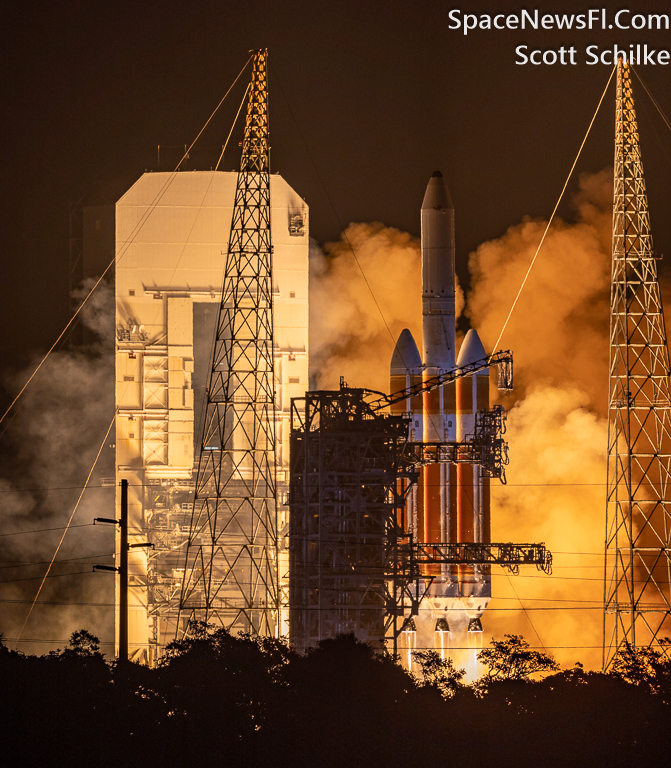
x=354 y=564
x=231 y=573
x=486 y=448
x=345 y=500
x=637 y=600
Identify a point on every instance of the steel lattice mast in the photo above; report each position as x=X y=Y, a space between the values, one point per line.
x=231 y=574
x=638 y=518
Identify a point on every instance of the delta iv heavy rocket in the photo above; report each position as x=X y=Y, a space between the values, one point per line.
x=451 y=502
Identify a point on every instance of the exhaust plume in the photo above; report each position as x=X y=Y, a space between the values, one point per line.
x=557 y=424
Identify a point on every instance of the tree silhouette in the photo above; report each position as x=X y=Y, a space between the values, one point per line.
x=513 y=659
x=647 y=667
x=439 y=673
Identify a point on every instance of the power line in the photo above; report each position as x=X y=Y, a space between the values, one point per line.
x=45 y=530
x=59 y=488
x=85 y=604
x=452 y=648
x=139 y=605
x=50 y=576
x=23 y=564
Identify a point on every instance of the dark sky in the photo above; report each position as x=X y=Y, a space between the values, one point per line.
x=367 y=100
x=376 y=95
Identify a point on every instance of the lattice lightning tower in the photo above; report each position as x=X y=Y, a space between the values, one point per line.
x=231 y=575
x=638 y=517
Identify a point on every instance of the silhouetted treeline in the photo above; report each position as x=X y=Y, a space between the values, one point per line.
x=219 y=700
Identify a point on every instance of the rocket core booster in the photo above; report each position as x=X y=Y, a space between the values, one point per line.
x=438 y=352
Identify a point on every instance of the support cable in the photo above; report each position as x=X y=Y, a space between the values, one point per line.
x=547 y=228
x=652 y=99
x=522 y=606
x=228 y=138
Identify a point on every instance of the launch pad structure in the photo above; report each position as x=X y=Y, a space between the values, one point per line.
x=377 y=528
x=355 y=564
x=231 y=575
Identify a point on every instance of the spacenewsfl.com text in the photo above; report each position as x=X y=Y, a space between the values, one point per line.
x=638 y=53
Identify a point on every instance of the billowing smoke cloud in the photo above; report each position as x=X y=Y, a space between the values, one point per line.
x=557 y=429
x=53 y=438
x=348 y=335
x=559 y=328
x=555 y=494
x=557 y=422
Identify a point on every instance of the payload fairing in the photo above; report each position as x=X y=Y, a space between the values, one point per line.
x=451 y=502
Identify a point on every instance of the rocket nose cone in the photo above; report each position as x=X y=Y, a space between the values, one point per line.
x=406 y=355
x=437 y=194
x=471 y=349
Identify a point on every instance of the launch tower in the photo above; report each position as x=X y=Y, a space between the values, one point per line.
x=638 y=517
x=231 y=576
x=355 y=562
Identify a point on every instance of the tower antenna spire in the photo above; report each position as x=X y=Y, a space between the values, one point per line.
x=231 y=573
x=637 y=579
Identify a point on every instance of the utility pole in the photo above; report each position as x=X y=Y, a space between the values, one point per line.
x=231 y=569
x=122 y=569
x=123 y=574
x=637 y=577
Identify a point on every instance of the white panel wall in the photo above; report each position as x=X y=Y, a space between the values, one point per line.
x=171 y=240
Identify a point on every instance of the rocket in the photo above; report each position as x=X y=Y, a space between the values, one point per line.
x=434 y=414
x=405 y=371
x=451 y=503
x=438 y=279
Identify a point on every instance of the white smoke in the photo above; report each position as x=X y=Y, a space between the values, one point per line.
x=557 y=431
x=556 y=425
x=53 y=436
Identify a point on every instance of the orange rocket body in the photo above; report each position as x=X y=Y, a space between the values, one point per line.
x=450 y=503
x=472 y=491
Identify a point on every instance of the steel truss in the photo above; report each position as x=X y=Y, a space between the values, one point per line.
x=638 y=519
x=486 y=448
x=508 y=555
x=354 y=566
x=231 y=574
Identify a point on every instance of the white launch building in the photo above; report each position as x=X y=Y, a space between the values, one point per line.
x=172 y=233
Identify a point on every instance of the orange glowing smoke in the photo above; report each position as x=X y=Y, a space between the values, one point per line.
x=557 y=423
x=558 y=427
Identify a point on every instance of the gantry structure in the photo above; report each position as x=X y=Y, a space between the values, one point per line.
x=355 y=565
x=637 y=600
x=231 y=572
